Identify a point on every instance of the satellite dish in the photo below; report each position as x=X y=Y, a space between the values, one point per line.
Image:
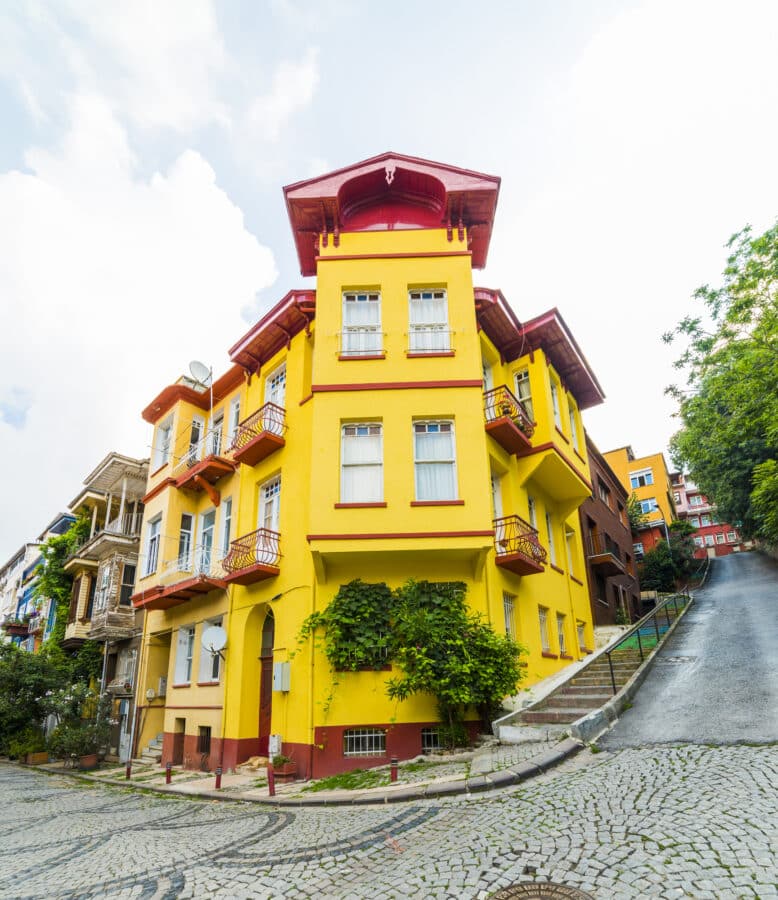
x=200 y=372
x=214 y=638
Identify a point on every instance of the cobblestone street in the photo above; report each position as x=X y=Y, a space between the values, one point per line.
x=690 y=821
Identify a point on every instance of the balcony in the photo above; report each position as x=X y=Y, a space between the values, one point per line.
x=253 y=557
x=181 y=579
x=202 y=466
x=507 y=422
x=604 y=555
x=517 y=546
x=14 y=627
x=112 y=620
x=261 y=434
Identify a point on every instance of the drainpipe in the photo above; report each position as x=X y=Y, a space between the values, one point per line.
x=311 y=679
x=231 y=595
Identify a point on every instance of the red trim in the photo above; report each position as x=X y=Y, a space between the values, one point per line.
x=576 y=580
x=397 y=534
x=565 y=656
x=166 y=482
x=409 y=255
x=306 y=399
x=183 y=684
x=556 y=568
x=394 y=385
x=437 y=502
x=548 y=655
x=173 y=393
x=345 y=357
x=159 y=469
x=415 y=354
x=206 y=683
x=561 y=433
x=360 y=505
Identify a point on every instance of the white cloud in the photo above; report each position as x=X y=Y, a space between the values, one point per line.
x=292 y=89
x=110 y=284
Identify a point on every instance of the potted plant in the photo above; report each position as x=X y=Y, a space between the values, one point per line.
x=29 y=746
x=77 y=739
x=284 y=768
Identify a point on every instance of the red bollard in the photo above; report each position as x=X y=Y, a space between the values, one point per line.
x=218 y=777
x=168 y=772
x=128 y=771
x=393 y=769
x=271 y=781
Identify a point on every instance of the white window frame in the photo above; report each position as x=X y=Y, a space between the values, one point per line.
x=641 y=478
x=561 y=634
x=213 y=439
x=694 y=521
x=708 y=540
x=524 y=392
x=226 y=525
x=440 y=426
x=163 y=443
x=699 y=541
x=649 y=505
x=637 y=549
x=275 y=386
x=210 y=663
x=186 y=536
x=509 y=613
x=364 y=742
x=572 y=410
x=184 y=655
x=703 y=517
x=532 y=511
x=372 y=490
x=233 y=420
x=545 y=646
x=361 y=339
x=153 y=539
x=428 y=332
x=720 y=537
x=732 y=537
x=551 y=544
x=555 y=389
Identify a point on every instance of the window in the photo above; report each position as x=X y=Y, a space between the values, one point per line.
x=560 y=633
x=105 y=587
x=428 y=317
x=233 y=420
x=705 y=520
x=731 y=537
x=125 y=666
x=152 y=545
x=214 y=443
x=185 y=542
x=204 y=740
x=573 y=424
x=621 y=515
x=720 y=537
x=532 y=512
x=708 y=540
x=699 y=541
x=163 y=442
x=694 y=521
x=696 y=500
x=555 y=404
x=509 y=612
x=195 y=441
x=677 y=496
x=638 y=550
x=184 y=653
x=580 y=630
x=270 y=504
x=604 y=493
x=361 y=324
x=642 y=478
x=551 y=545
x=127 y=585
x=648 y=506
x=543 y=622
x=570 y=548
x=275 y=386
x=226 y=525
x=90 y=602
x=430 y=740
x=210 y=663
x=74 y=597
x=362 y=469
x=523 y=393
x=364 y=742
x=435 y=460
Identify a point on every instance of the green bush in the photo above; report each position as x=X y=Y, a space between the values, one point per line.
x=29 y=740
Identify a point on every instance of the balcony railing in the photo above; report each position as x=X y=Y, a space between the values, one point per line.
x=176 y=580
x=362 y=340
x=517 y=546
x=259 y=435
x=507 y=421
x=429 y=339
x=209 y=445
x=127 y=525
x=605 y=555
x=253 y=557
x=202 y=464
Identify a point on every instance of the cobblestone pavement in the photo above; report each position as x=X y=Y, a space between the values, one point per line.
x=679 y=821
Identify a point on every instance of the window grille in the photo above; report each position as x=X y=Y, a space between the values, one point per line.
x=509 y=612
x=204 y=739
x=543 y=622
x=430 y=740
x=560 y=630
x=364 y=742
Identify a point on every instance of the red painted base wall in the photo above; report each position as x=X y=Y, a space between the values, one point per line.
x=192 y=758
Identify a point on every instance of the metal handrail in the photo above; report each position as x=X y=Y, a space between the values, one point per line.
x=513 y=535
x=500 y=403
x=269 y=417
x=635 y=629
x=260 y=547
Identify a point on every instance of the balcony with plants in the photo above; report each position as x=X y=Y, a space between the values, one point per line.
x=507 y=421
x=517 y=546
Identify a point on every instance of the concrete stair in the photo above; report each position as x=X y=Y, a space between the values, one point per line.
x=152 y=754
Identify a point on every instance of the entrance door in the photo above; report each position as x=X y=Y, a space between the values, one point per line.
x=266 y=682
x=205 y=549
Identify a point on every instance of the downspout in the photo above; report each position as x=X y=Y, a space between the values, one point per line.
x=231 y=595
x=311 y=679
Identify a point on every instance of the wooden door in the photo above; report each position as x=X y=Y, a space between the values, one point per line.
x=266 y=683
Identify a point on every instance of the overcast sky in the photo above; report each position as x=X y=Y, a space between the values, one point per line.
x=144 y=145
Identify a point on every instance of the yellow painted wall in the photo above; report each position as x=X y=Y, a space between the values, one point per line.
x=661 y=490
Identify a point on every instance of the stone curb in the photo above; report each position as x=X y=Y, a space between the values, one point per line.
x=491 y=781
x=589 y=727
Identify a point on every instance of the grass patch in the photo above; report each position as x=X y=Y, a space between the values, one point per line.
x=594 y=748
x=417 y=766
x=356 y=779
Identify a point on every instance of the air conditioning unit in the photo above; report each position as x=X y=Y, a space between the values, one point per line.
x=162 y=687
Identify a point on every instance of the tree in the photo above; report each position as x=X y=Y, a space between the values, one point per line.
x=728 y=441
x=635 y=513
x=667 y=565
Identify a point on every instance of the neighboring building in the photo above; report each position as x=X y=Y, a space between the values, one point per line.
x=103 y=568
x=610 y=559
x=27 y=620
x=648 y=478
x=393 y=423
x=711 y=537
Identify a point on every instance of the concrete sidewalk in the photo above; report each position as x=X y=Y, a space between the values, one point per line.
x=485 y=769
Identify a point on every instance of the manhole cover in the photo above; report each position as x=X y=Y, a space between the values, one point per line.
x=541 y=890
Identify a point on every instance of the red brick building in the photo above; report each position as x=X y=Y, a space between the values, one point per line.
x=711 y=537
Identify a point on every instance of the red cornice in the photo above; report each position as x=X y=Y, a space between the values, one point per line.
x=174 y=393
x=409 y=255
x=375 y=536
x=393 y=385
x=293 y=313
x=157 y=489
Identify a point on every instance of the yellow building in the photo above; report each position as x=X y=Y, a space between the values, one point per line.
x=648 y=478
x=395 y=423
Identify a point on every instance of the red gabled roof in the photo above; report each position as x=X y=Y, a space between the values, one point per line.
x=274 y=330
x=395 y=191
x=171 y=394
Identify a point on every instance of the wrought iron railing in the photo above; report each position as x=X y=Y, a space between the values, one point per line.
x=268 y=418
x=261 y=547
x=200 y=560
x=513 y=535
x=208 y=445
x=500 y=403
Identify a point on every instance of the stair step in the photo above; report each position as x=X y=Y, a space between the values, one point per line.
x=552 y=716
x=564 y=700
x=573 y=689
